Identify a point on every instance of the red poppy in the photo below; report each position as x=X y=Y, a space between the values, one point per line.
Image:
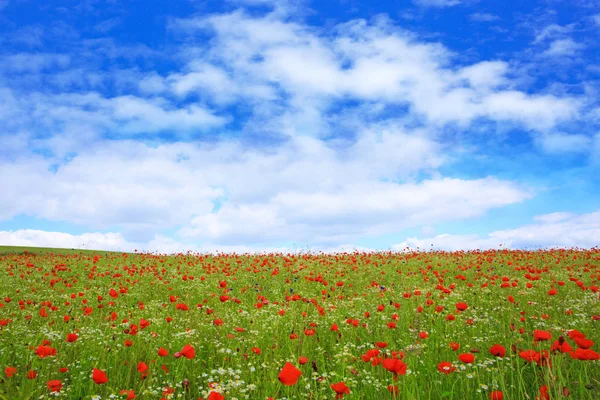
x=398 y=367
x=575 y=333
x=10 y=371
x=45 y=351
x=162 y=352
x=99 y=376
x=530 y=355
x=215 y=396
x=302 y=360
x=130 y=394
x=583 y=343
x=446 y=367
x=467 y=358
x=256 y=350
x=496 y=395
x=289 y=374
x=461 y=306
x=55 y=385
x=544 y=395
x=498 y=350
x=71 y=337
x=187 y=351
x=381 y=345
x=340 y=389
x=31 y=374
x=334 y=328
x=423 y=335
x=454 y=346
x=142 y=367
x=541 y=336
x=583 y=354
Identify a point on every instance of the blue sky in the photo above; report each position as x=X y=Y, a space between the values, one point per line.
x=267 y=125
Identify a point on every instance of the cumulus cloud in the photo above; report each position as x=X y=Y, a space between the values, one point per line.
x=563 y=47
x=558 y=142
x=551 y=230
x=365 y=60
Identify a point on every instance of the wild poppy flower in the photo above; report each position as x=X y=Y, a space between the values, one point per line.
x=496 y=395
x=423 y=335
x=467 y=358
x=71 y=337
x=289 y=374
x=529 y=355
x=454 y=346
x=498 y=350
x=539 y=335
x=340 y=389
x=393 y=389
x=215 y=396
x=45 y=351
x=398 y=367
x=583 y=343
x=187 y=351
x=142 y=367
x=256 y=350
x=130 y=394
x=334 y=328
x=544 y=395
x=55 y=385
x=461 y=306
x=575 y=333
x=10 y=371
x=63 y=369
x=302 y=360
x=99 y=376
x=162 y=352
x=31 y=374
x=584 y=354
x=370 y=354
x=128 y=343
x=446 y=367
x=381 y=345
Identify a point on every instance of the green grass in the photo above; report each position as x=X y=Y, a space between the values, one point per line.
x=67 y=282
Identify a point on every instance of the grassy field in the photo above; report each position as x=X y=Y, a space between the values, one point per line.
x=80 y=324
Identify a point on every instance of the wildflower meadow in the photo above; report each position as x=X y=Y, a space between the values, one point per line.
x=494 y=325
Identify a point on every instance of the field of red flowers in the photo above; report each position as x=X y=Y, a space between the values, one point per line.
x=421 y=325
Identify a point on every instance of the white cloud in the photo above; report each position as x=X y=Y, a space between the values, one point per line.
x=552 y=31
x=552 y=230
x=558 y=142
x=437 y=3
x=563 y=48
x=366 y=61
x=37 y=238
x=33 y=62
x=353 y=211
x=483 y=17
x=272 y=195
